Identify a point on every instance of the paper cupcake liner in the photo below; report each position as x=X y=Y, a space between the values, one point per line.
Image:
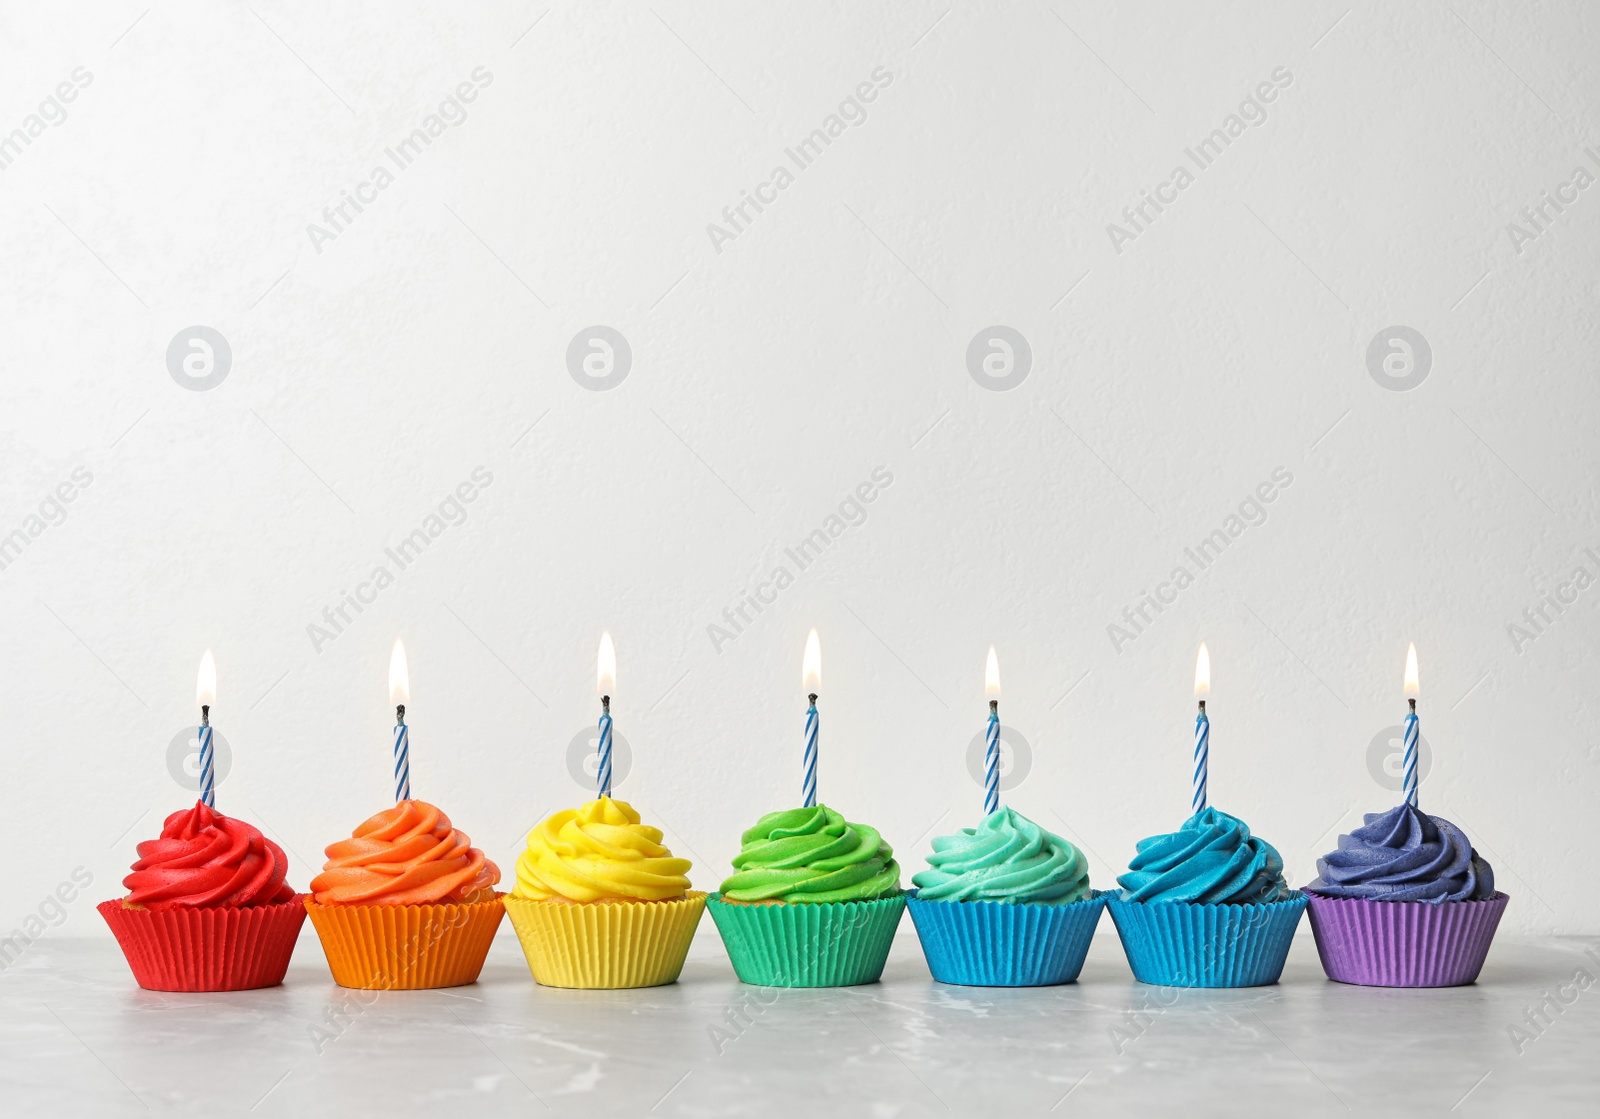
x=821 y=944
x=606 y=945
x=233 y=948
x=1181 y=944
x=1404 y=943
x=995 y=944
x=406 y=947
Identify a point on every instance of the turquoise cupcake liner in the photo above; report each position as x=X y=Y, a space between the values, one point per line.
x=1180 y=944
x=996 y=944
x=823 y=944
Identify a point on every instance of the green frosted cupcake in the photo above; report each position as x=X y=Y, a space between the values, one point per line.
x=813 y=901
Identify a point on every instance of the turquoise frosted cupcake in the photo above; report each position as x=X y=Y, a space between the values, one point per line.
x=1206 y=906
x=1004 y=904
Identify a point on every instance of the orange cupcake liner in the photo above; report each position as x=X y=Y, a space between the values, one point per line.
x=230 y=948
x=606 y=945
x=406 y=947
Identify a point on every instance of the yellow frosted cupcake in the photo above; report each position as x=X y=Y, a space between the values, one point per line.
x=600 y=902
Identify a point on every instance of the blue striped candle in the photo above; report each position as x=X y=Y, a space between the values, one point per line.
x=991 y=762
x=1202 y=728
x=208 y=761
x=1411 y=755
x=402 y=756
x=604 y=774
x=808 y=782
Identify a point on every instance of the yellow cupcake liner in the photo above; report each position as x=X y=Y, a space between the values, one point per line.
x=606 y=945
x=406 y=947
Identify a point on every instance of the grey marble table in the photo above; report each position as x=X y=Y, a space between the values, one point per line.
x=77 y=1037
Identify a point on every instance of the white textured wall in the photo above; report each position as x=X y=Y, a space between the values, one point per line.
x=376 y=370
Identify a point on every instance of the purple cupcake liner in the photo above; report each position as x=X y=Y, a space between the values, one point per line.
x=1185 y=944
x=995 y=944
x=1403 y=943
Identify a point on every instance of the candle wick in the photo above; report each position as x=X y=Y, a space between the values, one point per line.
x=1202 y=707
x=994 y=706
x=205 y=714
x=400 y=715
x=812 y=696
x=1413 y=704
x=605 y=703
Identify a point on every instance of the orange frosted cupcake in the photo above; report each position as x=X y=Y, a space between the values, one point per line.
x=406 y=903
x=600 y=902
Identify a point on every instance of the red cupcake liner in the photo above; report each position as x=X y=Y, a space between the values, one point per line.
x=1403 y=943
x=232 y=948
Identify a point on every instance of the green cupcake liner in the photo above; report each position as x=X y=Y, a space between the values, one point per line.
x=821 y=944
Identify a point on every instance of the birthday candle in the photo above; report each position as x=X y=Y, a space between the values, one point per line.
x=811 y=680
x=605 y=681
x=205 y=696
x=1412 y=689
x=399 y=694
x=1202 y=728
x=991 y=756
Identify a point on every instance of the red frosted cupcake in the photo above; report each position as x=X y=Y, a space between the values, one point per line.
x=406 y=903
x=208 y=907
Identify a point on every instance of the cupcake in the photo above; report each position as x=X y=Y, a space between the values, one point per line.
x=1206 y=906
x=1405 y=901
x=406 y=903
x=600 y=902
x=208 y=907
x=813 y=901
x=1004 y=904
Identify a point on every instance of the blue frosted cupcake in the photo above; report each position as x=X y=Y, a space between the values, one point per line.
x=1206 y=906
x=1004 y=904
x=1405 y=901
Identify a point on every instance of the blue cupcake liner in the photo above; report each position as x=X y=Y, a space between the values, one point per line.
x=1182 y=944
x=997 y=944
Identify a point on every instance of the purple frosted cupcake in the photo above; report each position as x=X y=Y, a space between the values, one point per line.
x=1405 y=901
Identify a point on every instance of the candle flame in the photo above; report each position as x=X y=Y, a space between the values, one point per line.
x=811 y=668
x=1202 y=672
x=605 y=679
x=399 y=676
x=205 y=687
x=991 y=676
x=1413 y=684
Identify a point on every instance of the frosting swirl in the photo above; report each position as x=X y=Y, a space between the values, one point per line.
x=1006 y=858
x=811 y=855
x=1211 y=860
x=599 y=851
x=1405 y=855
x=405 y=855
x=205 y=860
